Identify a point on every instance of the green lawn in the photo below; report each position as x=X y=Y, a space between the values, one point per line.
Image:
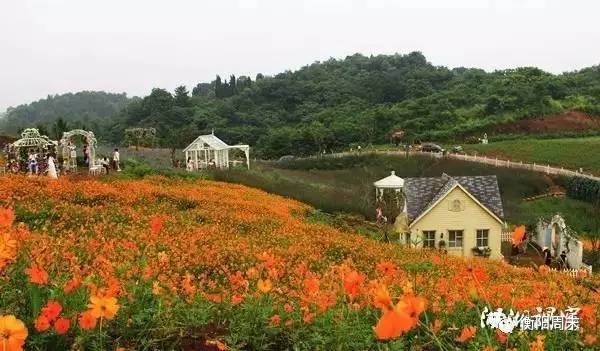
x=345 y=184
x=571 y=153
x=576 y=213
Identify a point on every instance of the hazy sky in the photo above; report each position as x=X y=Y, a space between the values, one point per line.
x=58 y=46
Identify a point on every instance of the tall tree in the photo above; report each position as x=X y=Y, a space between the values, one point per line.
x=218 y=87
x=182 y=97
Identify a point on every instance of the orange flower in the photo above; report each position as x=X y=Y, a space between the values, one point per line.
x=52 y=310
x=382 y=297
x=467 y=333
x=275 y=320
x=7 y=217
x=518 y=235
x=103 y=307
x=311 y=286
x=12 y=333
x=264 y=286
x=587 y=313
x=72 y=285
x=42 y=323
x=37 y=275
x=537 y=344
x=590 y=339
x=387 y=268
x=8 y=249
x=62 y=326
x=501 y=336
x=400 y=319
x=353 y=283
x=236 y=299
x=87 y=321
x=392 y=324
x=156 y=224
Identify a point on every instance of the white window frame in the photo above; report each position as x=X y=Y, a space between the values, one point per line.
x=427 y=239
x=453 y=243
x=486 y=232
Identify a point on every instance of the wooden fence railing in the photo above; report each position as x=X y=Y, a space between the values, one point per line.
x=547 y=169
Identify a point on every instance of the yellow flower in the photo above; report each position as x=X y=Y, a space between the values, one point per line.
x=12 y=333
x=103 y=307
x=264 y=286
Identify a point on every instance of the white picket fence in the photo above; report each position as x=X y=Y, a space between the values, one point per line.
x=547 y=169
x=493 y=161
x=506 y=236
x=574 y=273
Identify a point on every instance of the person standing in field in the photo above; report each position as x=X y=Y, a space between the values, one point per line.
x=190 y=164
x=32 y=163
x=547 y=256
x=116 y=159
x=51 y=167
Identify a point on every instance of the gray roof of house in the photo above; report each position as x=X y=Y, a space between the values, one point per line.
x=422 y=193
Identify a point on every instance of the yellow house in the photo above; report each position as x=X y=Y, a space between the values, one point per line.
x=462 y=215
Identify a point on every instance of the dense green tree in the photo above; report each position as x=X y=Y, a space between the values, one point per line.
x=329 y=105
x=182 y=98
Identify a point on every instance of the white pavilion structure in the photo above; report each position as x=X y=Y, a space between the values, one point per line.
x=390 y=182
x=210 y=151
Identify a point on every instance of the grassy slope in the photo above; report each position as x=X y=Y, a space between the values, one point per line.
x=571 y=153
x=345 y=184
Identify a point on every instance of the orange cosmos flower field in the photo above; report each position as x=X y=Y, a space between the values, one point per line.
x=163 y=264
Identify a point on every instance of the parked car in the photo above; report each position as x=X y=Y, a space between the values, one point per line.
x=457 y=150
x=431 y=147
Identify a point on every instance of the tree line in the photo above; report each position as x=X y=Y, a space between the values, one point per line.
x=358 y=100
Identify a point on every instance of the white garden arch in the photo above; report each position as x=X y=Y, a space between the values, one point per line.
x=68 y=148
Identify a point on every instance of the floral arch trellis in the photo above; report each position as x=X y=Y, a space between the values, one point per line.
x=31 y=139
x=67 y=147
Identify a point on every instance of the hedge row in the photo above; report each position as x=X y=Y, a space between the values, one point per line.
x=584 y=189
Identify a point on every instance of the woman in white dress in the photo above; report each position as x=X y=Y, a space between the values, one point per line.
x=51 y=167
x=190 y=164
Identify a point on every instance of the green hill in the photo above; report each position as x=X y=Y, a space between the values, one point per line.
x=86 y=109
x=333 y=104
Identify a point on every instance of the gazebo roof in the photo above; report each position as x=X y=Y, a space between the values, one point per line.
x=392 y=181
x=209 y=139
x=31 y=137
x=213 y=142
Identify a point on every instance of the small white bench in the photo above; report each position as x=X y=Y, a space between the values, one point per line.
x=97 y=170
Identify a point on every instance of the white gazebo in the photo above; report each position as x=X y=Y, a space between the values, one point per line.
x=208 y=151
x=390 y=182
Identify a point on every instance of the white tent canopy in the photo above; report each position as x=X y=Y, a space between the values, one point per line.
x=390 y=182
x=208 y=150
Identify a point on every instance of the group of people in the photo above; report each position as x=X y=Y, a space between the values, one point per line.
x=562 y=258
x=113 y=163
x=47 y=164
x=190 y=165
x=35 y=163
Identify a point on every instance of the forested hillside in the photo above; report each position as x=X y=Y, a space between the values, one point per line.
x=336 y=103
x=87 y=109
x=331 y=105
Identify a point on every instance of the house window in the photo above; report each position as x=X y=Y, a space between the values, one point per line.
x=482 y=237
x=455 y=238
x=429 y=238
